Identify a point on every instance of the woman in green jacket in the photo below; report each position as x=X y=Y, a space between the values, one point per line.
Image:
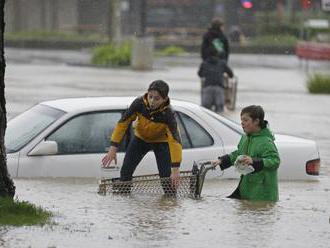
x=257 y=149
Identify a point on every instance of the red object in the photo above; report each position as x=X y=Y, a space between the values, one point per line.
x=306 y=4
x=313 y=167
x=247 y=4
x=313 y=50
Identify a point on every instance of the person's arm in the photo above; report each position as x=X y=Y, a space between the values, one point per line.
x=201 y=70
x=204 y=47
x=226 y=48
x=174 y=142
x=229 y=71
x=228 y=160
x=118 y=133
x=269 y=159
x=128 y=117
x=175 y=146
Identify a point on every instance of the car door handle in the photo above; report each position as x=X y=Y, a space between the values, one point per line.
x=112 y=167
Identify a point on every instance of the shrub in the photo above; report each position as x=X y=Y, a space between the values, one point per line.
x=274 y=40
x=18 y=213
x=172 y=51
x=110 y=54
x=283 y=29
x=319 y=83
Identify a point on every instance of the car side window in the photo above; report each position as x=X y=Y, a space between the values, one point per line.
x=87 y=133
x=186 y=143
x=193 y=133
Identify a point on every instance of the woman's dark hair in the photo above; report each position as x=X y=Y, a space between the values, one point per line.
x=161 y=87
x=255 y=112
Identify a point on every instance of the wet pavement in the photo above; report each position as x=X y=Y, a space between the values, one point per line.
x=85 y=219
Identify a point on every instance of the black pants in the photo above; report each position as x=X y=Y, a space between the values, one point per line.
x=135 y=152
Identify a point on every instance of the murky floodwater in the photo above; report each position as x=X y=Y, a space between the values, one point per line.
x=85 y=219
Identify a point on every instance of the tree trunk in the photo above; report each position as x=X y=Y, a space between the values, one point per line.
x=280 y=11
x=7 y=188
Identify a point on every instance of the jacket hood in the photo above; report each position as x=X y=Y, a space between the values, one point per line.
x=264 y=132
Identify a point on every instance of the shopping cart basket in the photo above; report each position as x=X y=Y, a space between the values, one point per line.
x=190 y=183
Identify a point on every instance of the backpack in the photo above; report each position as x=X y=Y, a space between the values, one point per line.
x=218 y=45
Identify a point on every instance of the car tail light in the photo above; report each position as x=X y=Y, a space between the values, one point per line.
x=313 y=167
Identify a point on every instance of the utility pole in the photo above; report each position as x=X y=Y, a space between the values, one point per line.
x=143 y=16
x=143 y=46
x=114 y=21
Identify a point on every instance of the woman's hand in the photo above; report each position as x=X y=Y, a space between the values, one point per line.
x=175 y=177
x=111 y=155
x=246 y=160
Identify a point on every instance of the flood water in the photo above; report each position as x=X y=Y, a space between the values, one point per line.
x=82 y=218
x=85 y=219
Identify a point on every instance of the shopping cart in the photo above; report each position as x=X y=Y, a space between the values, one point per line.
x=190 y=183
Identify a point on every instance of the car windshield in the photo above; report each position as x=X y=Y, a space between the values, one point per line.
x=29 y=124
x=225 y=121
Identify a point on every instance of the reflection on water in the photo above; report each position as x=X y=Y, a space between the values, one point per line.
x=86 y=219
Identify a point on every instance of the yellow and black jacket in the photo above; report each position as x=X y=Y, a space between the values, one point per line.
x=152 y=126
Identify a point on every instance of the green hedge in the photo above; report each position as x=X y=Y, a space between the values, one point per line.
x=319 y=83
x=282 y=29
x=110 y=54
x=171 y=51
x=273 y=40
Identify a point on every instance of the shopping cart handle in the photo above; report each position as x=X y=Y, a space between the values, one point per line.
x=206 y=163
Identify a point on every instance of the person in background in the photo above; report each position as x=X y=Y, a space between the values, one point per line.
x=155 y=129
x=236 y=35
x=215 y=42
x=211 y=72
x=257 y=150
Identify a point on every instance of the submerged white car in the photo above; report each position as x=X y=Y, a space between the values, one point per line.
x=69 y=137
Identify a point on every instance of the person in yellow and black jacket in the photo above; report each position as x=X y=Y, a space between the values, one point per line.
x=155 y=129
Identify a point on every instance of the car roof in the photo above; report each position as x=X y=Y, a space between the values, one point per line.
x=101 y=103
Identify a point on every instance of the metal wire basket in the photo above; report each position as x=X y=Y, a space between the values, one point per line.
x=190 y=184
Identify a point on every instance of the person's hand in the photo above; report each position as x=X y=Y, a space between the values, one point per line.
x=246 y=160
x=111 y=155
x=215 y=163
x=175 y=177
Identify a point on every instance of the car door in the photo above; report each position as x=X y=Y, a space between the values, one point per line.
x=199 y=143
x=198 y=140
x=82 y=141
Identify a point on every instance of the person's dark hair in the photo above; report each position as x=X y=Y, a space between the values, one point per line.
x=216 y=23
x=256 y=112
x=160 y=86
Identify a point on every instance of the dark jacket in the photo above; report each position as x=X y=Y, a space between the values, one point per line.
x=215 y=43
x=261 y=184
x=211 y=71
x=152 y=126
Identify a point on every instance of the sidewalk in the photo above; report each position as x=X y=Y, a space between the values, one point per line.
x=83 y=58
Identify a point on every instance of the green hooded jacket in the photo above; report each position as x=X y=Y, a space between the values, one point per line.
x=261 y=184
